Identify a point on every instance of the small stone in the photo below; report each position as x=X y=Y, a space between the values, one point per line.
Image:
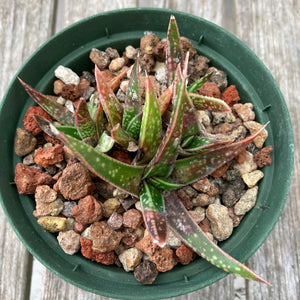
x=241 y=157
x=49 y=156
x=221 y=223
x=221 y=184
x=147 y=62
x=247 y=166
x=27 y=178
x=56 y=207
x=52 y=224
x=112 y=53
x=205 y=117
x=222 y=117
x=105 y=189
x=121 y=95
x=45 y=194
x=129 y=238
x=159 y=51
x=252 y=178
x=192 y=193
x=197 y=216
x=231 y=95
x=117 y=64
x=47 y=145
x=69 y=106
x=70 y=224
x=50 y=139
x=99 y=58
x=87 y=233
x=87 y=211
x=245 y=111
x=205 y=226
x=219 y=77
x=24 y=142
x=203 y=200
x=57 y=86
x=29 y=122
x=28 y=159
x=246 y=202
x=69 y=241
x=105 y=239
x=132 y=218
x=229 y=197
x=130 y=259
x=131 y=52
x=184 y=255
x=223 y=128
x=148 y=42
x=115 y=221
x=235 y=218
x=70 y=92
x=146 y=272
x=185 y=199
x=221 y=171
x=128 y=202
x=110 y=205
x=262 y=157
x=173 y=241
x=187 y=46
x=75 y=182
x=78 y=227
x=253 y=126
x=138 y=206
x=205 y=186
x=124 y=85
x=51 y=170
x=209 y=89
x=66 y=75
x=198 y=66
x=238 y=134
x=233 y=174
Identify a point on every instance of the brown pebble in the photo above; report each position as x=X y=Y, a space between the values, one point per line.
x=184 y=255
x=231 y=95
x=132 y=218
x=71 y=92
x=263 y=157
x=49 y=156
x=57 y=86
x=146 y=272
x=209 y=89
x=24 y=142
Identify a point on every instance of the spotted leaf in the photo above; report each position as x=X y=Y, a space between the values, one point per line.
x=163 y=183
x=209 y=103
x=121 y=137
x=105 y=143
x=185 y=228
x=196 y=85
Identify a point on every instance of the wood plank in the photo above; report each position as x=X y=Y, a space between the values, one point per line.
x=271 y=30
x=21 y=21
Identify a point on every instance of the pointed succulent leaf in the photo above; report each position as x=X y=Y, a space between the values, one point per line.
x=196 y=85
x=132 y=100
x=164 y=184
x=186 y=142
x=84 y=123
x=186 y=65
x=209 y=103
x=185 y=228
x=134 y=126
x=121 y=137
x=174 y=50
x=70 y=130
x=105 y=143
x=100 y=121
x=115 y=82
x=111 y=105
x=93 y=105
x=164 y=99
x=150 y=128
x=188 y=170
x=54 y=109
x=154 y=213
x=123 y=176
x=165 y=157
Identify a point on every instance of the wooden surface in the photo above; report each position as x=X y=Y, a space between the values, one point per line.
x=271 y=28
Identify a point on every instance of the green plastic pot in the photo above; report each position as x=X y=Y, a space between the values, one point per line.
x=118 y=29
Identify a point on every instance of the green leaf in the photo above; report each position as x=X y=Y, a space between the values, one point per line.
x=132 y=101
x=163 y=161
x=123 y=176
x=173 y=50
x=70 y=130
x=93 y=105
x=164 y=184
x=54 y=109
x=195 y=86
x=188 y=170
x=134 y=126
x=191 y=234
x=150 y=128
x=111 y=105
x=84 y=123
x=121 y=136
x=154 y=213
x=209 y=103
x=105 y=143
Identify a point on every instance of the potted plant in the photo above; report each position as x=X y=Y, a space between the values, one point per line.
x=157 y=164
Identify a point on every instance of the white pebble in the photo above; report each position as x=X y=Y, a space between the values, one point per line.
x=60 y=100
x=69 y=106
x=66 y=75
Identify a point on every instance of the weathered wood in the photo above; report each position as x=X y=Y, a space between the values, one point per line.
x=24 y=26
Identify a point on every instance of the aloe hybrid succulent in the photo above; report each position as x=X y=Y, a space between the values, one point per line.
x=171 y=148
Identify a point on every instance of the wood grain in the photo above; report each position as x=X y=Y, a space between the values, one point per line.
x=271 y=29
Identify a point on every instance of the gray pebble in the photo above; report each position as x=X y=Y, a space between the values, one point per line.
x=246 y=202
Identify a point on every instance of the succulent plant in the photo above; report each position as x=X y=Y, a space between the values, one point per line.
x=172 y=149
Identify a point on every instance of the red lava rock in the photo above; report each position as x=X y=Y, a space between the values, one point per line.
x=122 y=156
x=50 y=139
x=75 y=182
x=240 y=158
x=27 y=179
x=185 y=199
x=87 y=251
x=78 y=227
x=162 y=257
x=87 y=211
x=205 y=186
x=263 y=157
x=49 y=156
x=104 y=238
x=209 y=89
x=159 y=51
x=146 y=272
x=132 y=218
x=220 y=172
x=130 y=238
x=184 y=255
x=29 y=123
x=231 y=95
x=70 y=91
x=205 y=226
